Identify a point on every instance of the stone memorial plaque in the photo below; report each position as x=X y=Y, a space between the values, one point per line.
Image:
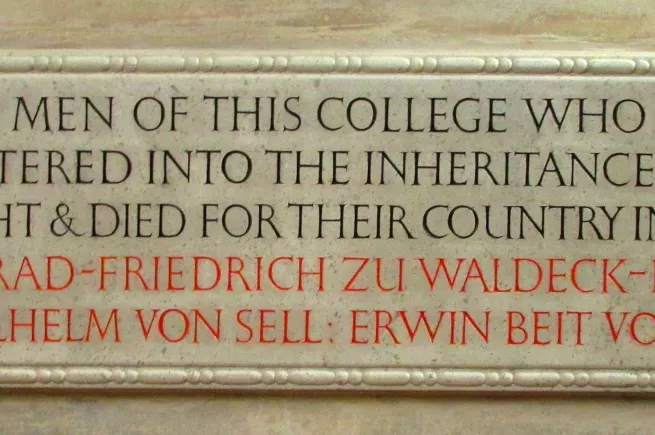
x=328 y=222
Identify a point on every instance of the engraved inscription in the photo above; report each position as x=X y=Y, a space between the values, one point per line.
x=372 y=230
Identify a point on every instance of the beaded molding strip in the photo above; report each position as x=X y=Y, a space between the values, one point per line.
x=373 y=378
x=299 y=64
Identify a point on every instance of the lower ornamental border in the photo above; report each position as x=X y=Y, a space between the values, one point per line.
x=320 y=378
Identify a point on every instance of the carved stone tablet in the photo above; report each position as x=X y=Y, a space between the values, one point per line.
x=356 y=222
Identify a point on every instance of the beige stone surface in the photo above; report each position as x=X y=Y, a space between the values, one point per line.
x=412 y=24
x=341 y=319
x=275 y=24
x=320 y=414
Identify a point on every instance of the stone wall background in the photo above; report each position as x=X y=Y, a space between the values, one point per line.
x=147 y=414
x=428 y=25
x=280 y=24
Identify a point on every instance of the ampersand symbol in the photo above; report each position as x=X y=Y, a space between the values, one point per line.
x=62 y=211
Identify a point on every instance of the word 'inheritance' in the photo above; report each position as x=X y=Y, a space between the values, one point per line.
x=409 y=168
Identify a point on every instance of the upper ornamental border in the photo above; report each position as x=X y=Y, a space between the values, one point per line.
x=318 y=63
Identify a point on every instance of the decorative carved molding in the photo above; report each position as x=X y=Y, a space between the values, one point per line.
x=347 y=64
x=426 y=379
x=402 y=379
